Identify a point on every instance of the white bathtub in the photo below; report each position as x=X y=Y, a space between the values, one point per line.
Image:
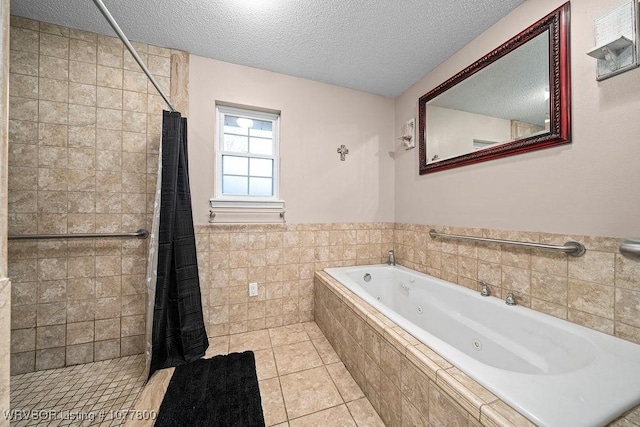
x=554 y=372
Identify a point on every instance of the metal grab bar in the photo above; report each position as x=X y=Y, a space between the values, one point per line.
x=140 y=234
x=630 y=248
x=575 y=249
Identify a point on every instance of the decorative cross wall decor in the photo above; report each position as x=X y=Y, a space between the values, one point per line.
x=343 y=151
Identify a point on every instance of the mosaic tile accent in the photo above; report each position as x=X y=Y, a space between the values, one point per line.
x=92 y=394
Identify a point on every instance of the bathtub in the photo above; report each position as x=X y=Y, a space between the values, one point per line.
x=553 y=372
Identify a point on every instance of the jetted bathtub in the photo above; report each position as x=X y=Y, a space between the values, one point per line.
x=554 y=372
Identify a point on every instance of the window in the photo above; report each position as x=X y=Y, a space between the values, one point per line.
x=247 y=161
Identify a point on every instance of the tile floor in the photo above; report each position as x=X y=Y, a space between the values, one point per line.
x=302 y=380
x=302 y=383
x=93 y=394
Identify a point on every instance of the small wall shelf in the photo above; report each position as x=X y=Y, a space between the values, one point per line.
x=615 y=46
x=616 y=41
x=408 y=137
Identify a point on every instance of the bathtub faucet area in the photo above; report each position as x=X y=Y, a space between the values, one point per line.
x=485 y=292
x=511 y=297
x=392 y=258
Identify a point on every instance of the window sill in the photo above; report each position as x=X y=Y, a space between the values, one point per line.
x=246 y=211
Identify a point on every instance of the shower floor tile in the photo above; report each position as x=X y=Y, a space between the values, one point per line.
x=92 y=394
x=318 y=392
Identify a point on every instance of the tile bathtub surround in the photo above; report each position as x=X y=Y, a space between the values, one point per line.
x=84 y=133
x=282 y=259
x=600 y=290
x=302 y=381
x=406 y=382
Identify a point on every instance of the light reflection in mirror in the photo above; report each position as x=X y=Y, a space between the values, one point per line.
x=506 y=101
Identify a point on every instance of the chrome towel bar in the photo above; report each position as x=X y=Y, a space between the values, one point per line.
x=140 y=234
x=575 y=249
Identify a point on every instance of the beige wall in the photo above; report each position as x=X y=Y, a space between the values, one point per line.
x=586 y=187
x=316 y=119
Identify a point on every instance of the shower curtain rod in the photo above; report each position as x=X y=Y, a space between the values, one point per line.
x=131 y=49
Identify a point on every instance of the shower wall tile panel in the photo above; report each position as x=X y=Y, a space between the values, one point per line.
x=83 y=149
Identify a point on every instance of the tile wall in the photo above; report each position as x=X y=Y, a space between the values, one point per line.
x=84 y=129
x=282 y=260
x=5 y=284
x=600 y=290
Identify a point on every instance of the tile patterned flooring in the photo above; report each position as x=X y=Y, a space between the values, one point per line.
x=302 y=380
x=302 y=383
x=93 y=394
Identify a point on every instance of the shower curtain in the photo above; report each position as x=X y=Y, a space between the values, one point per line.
x=175 y=325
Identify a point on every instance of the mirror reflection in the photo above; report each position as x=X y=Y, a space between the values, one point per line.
x=506 y=101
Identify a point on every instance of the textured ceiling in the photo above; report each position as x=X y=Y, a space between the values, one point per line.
x=511 y=88
x=377 y=46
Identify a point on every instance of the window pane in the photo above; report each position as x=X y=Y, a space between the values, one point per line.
x=232 y=165
x=238 y=144
x=261 y=133
x=234 y=184
x=235 y=130
x=261 y=167
x=260 y=186
x=261 y=128
x=247 y=151
x=261 y=146
x=231 y=125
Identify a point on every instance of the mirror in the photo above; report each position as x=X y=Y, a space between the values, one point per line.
x=513 y=100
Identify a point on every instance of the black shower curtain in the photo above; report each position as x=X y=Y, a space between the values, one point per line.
x=179 y=334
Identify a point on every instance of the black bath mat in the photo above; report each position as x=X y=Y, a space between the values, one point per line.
x=221 y=391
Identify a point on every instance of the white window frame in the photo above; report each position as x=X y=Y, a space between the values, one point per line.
x=246 y=201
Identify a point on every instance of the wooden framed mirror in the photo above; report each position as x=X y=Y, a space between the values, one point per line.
x=513 y=100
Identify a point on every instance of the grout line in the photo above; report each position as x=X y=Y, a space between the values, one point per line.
x=284 y=403
x=324 y=409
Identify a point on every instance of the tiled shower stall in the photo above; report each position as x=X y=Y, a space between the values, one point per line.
x=83 y=151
